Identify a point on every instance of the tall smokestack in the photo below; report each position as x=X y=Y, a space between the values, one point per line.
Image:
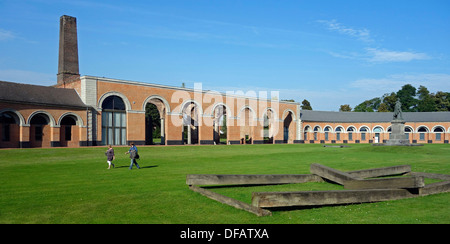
x=68 y=69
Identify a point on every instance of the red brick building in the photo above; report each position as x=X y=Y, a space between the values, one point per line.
x=372 y=127
x=88 y=110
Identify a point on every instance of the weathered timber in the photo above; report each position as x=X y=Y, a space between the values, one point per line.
x=230 y=201
x=211 y=179
x=377 y=172
x=320 y=198
x=434 y=188
x=331 y=174
x=385 y=183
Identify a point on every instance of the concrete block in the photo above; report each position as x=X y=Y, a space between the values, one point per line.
x=320 y=198
x=432 y=175
x=434 y=188
x=377 y=172
x=385 y=183
x=331 y=174
x=211 y=179
x=230 y=201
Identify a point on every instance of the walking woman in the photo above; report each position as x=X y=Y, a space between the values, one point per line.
x=110 y=156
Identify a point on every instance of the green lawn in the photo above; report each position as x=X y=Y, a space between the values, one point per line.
x=62 y=185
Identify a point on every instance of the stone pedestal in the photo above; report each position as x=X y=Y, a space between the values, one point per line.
x=398 y=136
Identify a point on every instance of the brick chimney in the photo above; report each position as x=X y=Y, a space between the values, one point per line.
x=68 y=70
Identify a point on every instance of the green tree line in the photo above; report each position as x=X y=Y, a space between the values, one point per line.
x=412 y=99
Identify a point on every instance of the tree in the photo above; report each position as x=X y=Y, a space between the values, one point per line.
x=306 y=105
x=426 y=101
x=389 y=100
x=345 y=108
x=420 y=100
x=407 y=98
x=442 y=101
x=383 y=108
x=368 y=105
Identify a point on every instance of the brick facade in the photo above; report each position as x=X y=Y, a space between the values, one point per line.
x=418 y=132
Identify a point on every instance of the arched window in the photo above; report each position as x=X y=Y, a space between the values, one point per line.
x=378 y=129
x=327 y=131
x=350 y=131
x=114 y=123
x=316 y=132
x=408 y=130
x=363 y=131
x=338 y=133
x=437 y=133
x=422 y=130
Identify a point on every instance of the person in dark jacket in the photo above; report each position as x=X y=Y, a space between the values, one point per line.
x=110 y=156
x=133 y=151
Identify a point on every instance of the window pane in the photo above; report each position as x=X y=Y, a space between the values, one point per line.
x=113 y=102
x=110 y=136
x=117 y=122
x=104 y=142
x=124 y=119
x=117 y=136
x=124 y=136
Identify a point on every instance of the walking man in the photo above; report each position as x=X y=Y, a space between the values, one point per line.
x=133 y=151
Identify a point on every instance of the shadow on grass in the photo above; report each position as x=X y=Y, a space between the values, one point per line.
x=142 y=167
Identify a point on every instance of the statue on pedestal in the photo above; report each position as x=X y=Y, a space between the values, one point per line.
x=397 y=137
x=398 y=111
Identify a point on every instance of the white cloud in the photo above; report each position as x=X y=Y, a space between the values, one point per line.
x=6 y=35
x=361 y=34
x=377 y=55
x=373 y=55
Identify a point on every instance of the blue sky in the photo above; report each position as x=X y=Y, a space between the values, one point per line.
x=328 y=52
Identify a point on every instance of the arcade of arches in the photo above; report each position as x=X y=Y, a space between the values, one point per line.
x=118 y=112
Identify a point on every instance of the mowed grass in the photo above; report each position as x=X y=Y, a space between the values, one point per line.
x=64 y=185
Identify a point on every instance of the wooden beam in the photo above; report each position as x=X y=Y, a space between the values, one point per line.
x=385 y=183
x=331 y=174
x=230 y=201
x=211 y=179
x=320 y=198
